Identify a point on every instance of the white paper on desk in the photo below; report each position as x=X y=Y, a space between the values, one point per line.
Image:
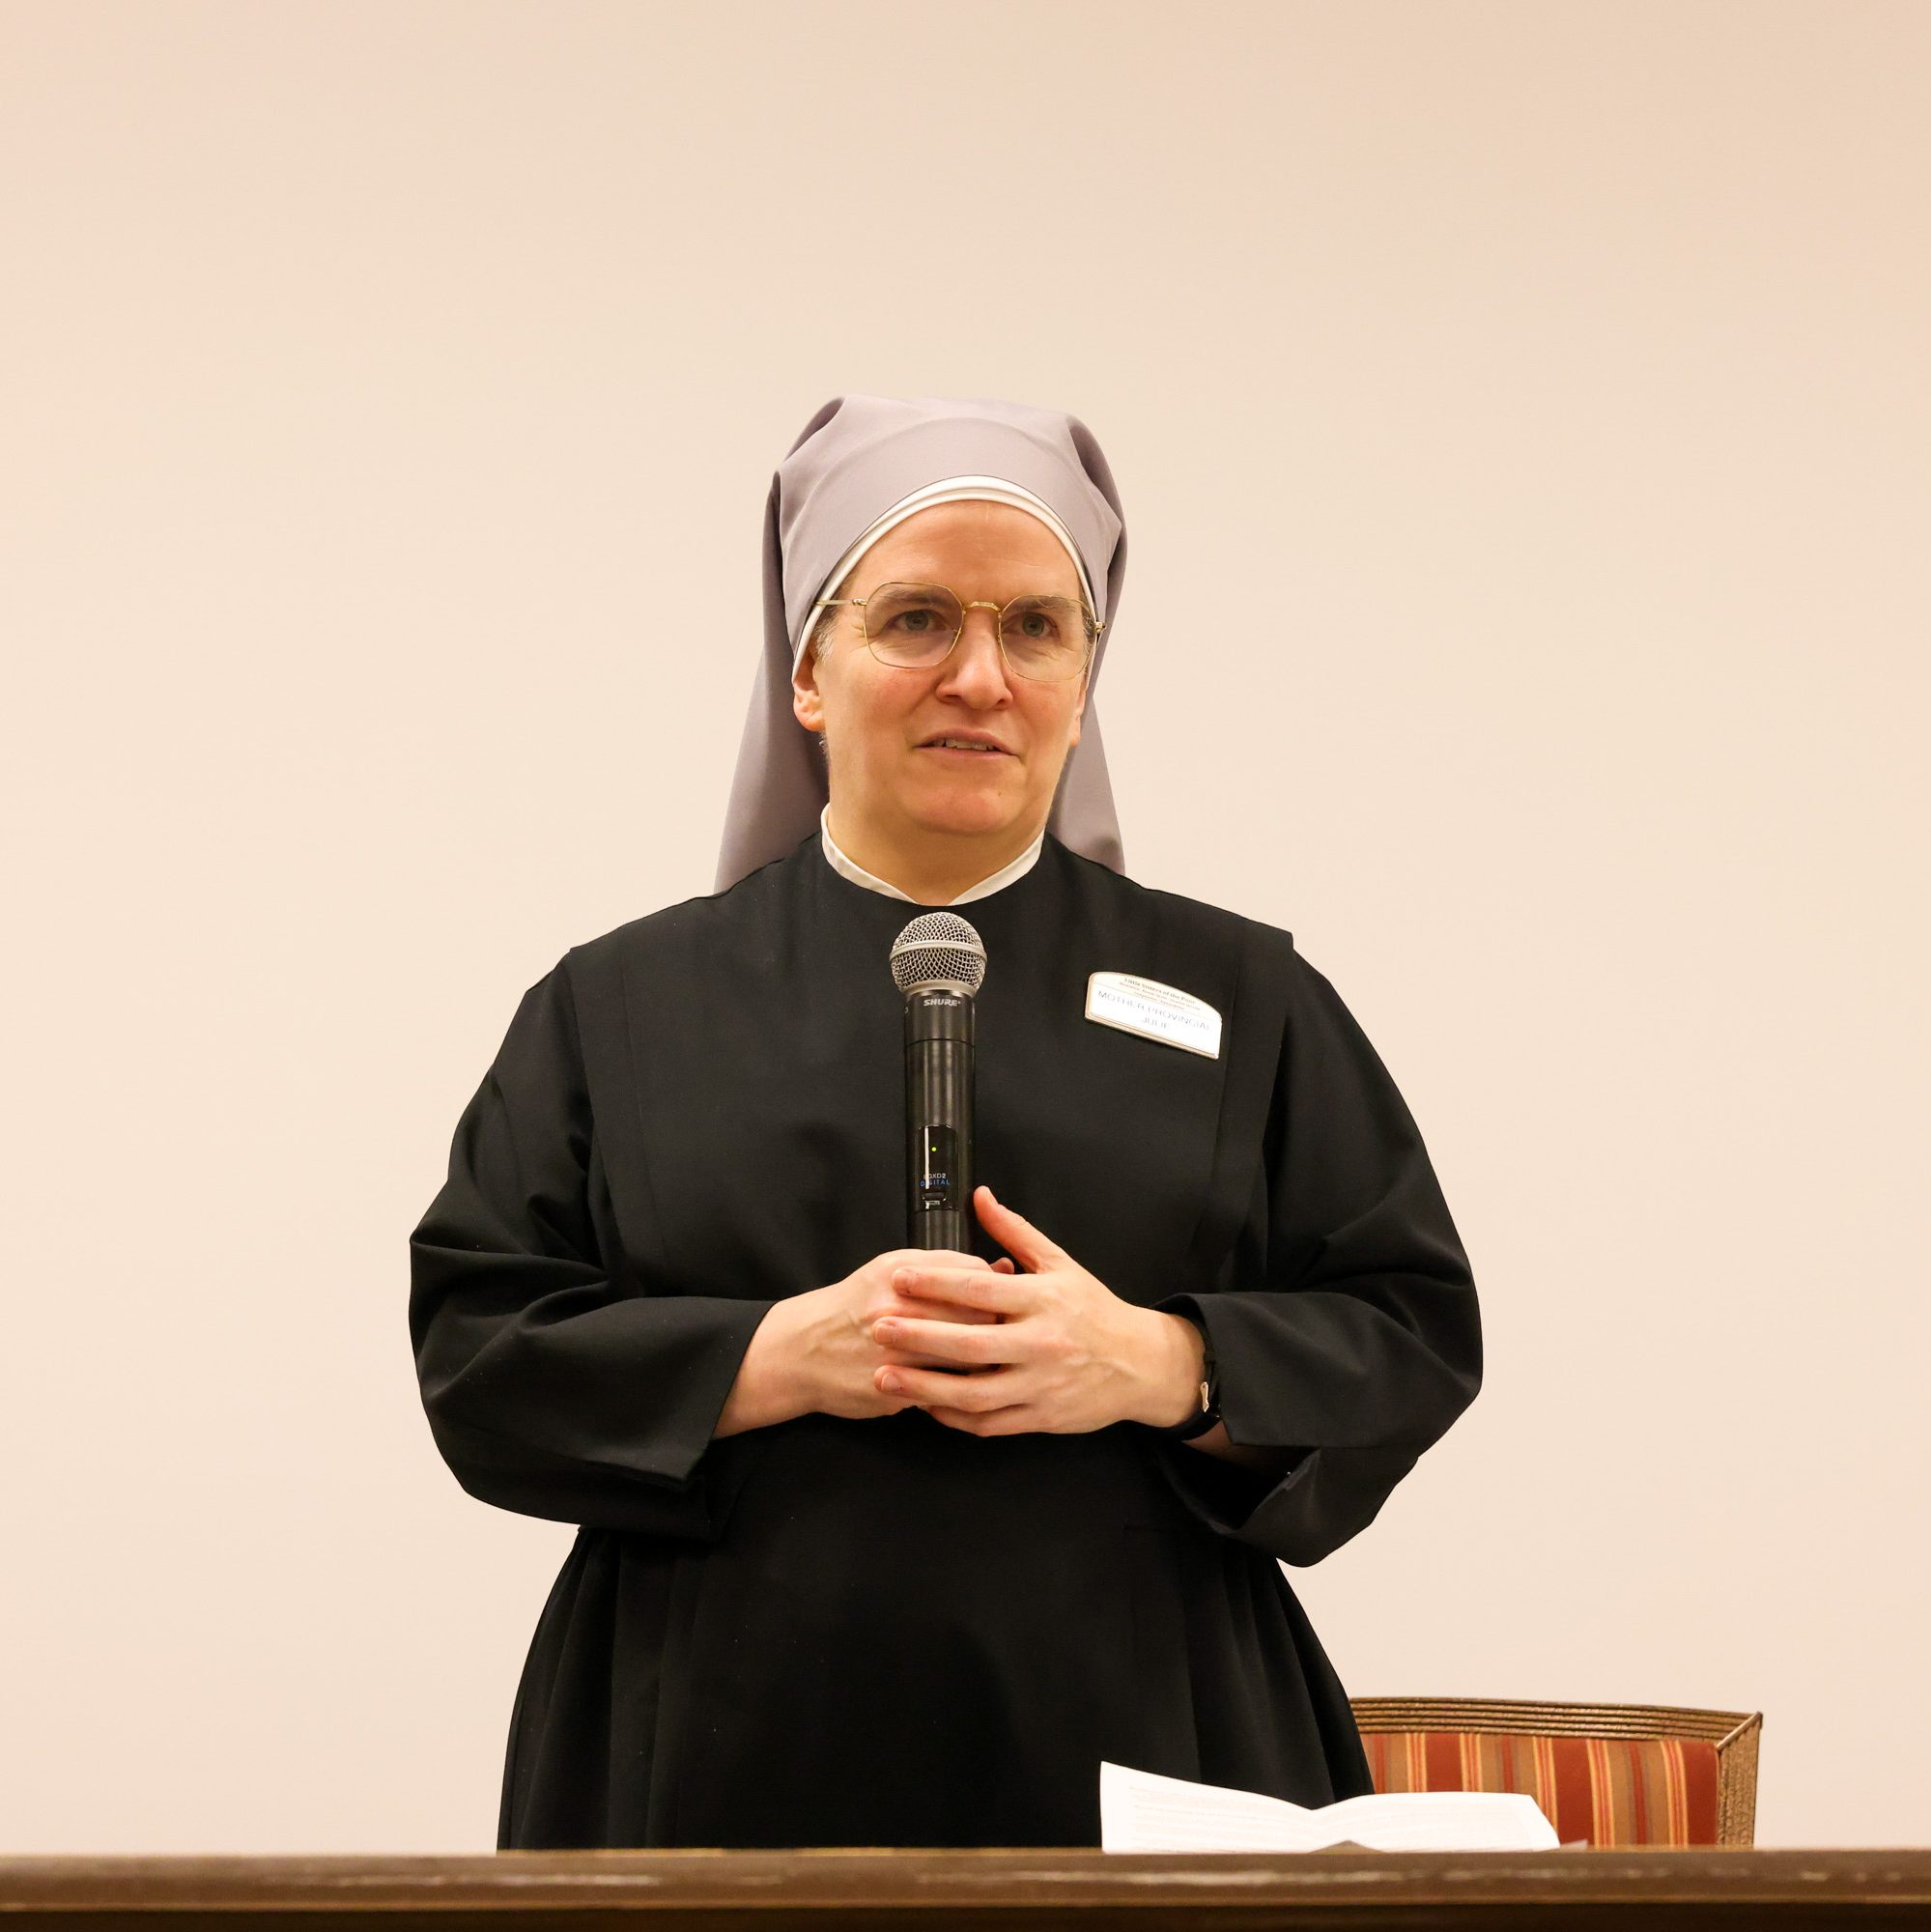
x=1142 y=1811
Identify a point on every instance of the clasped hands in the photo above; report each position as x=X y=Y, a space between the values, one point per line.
x=1051 y=1349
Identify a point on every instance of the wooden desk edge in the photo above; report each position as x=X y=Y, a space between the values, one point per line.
x=985 y=1883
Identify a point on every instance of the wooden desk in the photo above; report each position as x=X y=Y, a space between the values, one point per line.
x=968 y=1892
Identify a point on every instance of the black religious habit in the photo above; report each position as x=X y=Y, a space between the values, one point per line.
x=887 y=1631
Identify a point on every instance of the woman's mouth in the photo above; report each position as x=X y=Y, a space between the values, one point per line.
x=964 y=748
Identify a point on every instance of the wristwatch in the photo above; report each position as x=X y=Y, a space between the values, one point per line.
x=1208 y=1387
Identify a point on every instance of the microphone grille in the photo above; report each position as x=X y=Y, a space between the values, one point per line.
x=938 y=949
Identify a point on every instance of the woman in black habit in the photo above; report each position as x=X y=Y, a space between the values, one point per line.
x=882 y=1545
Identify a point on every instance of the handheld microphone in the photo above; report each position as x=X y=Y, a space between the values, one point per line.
x=938 y=962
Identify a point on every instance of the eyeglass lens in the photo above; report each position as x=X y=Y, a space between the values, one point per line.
x=915 y=625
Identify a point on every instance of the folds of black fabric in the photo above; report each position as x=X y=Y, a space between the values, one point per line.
x=552 y=1387
x=1349 y=1330
x=699 y=1114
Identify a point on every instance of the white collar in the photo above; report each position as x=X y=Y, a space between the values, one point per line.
x=859 y=876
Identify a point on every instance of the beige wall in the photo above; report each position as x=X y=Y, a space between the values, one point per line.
x=390 y=392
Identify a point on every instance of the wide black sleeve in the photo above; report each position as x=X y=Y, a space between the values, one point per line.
x=1348 y=1331
x=551 y=1388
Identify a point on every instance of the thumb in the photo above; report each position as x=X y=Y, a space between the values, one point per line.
x=1013 y=1233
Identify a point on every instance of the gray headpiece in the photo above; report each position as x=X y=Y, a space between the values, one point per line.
x=861 y=465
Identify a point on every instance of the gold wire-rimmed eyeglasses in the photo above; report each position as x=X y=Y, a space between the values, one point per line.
x=913 y=626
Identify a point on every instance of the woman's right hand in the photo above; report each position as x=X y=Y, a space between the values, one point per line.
x=838 y=1356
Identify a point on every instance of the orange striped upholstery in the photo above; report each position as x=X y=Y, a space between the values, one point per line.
x=1610 y=1791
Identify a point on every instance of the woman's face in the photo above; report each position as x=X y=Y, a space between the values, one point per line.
x=880 y=721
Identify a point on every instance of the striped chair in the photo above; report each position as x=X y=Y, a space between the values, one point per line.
x=1611 y=1774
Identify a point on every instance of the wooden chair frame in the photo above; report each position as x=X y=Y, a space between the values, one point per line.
x=1734 y=1733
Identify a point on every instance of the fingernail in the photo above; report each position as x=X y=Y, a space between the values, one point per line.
x=881 y=1328
x=891 y=1384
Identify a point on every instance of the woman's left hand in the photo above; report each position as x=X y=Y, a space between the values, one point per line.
x=1066 y=1355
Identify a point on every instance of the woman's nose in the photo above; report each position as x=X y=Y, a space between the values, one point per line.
x=976 y=666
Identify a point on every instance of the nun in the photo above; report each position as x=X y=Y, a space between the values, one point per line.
x=880 y=1543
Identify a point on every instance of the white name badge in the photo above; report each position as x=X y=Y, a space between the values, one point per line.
x=1153 y=1010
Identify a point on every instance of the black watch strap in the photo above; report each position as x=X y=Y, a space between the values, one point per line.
x=1207 y=1390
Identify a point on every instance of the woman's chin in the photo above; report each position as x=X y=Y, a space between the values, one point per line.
x=964 y=812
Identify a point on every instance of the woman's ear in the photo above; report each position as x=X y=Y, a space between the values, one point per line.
x=807 y=701
x=1079 y=713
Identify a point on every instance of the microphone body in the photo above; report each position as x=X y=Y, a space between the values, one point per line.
x=938 y=962
x=938 y=1112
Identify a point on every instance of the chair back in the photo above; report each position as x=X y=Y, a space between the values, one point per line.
x=1606 y=1774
